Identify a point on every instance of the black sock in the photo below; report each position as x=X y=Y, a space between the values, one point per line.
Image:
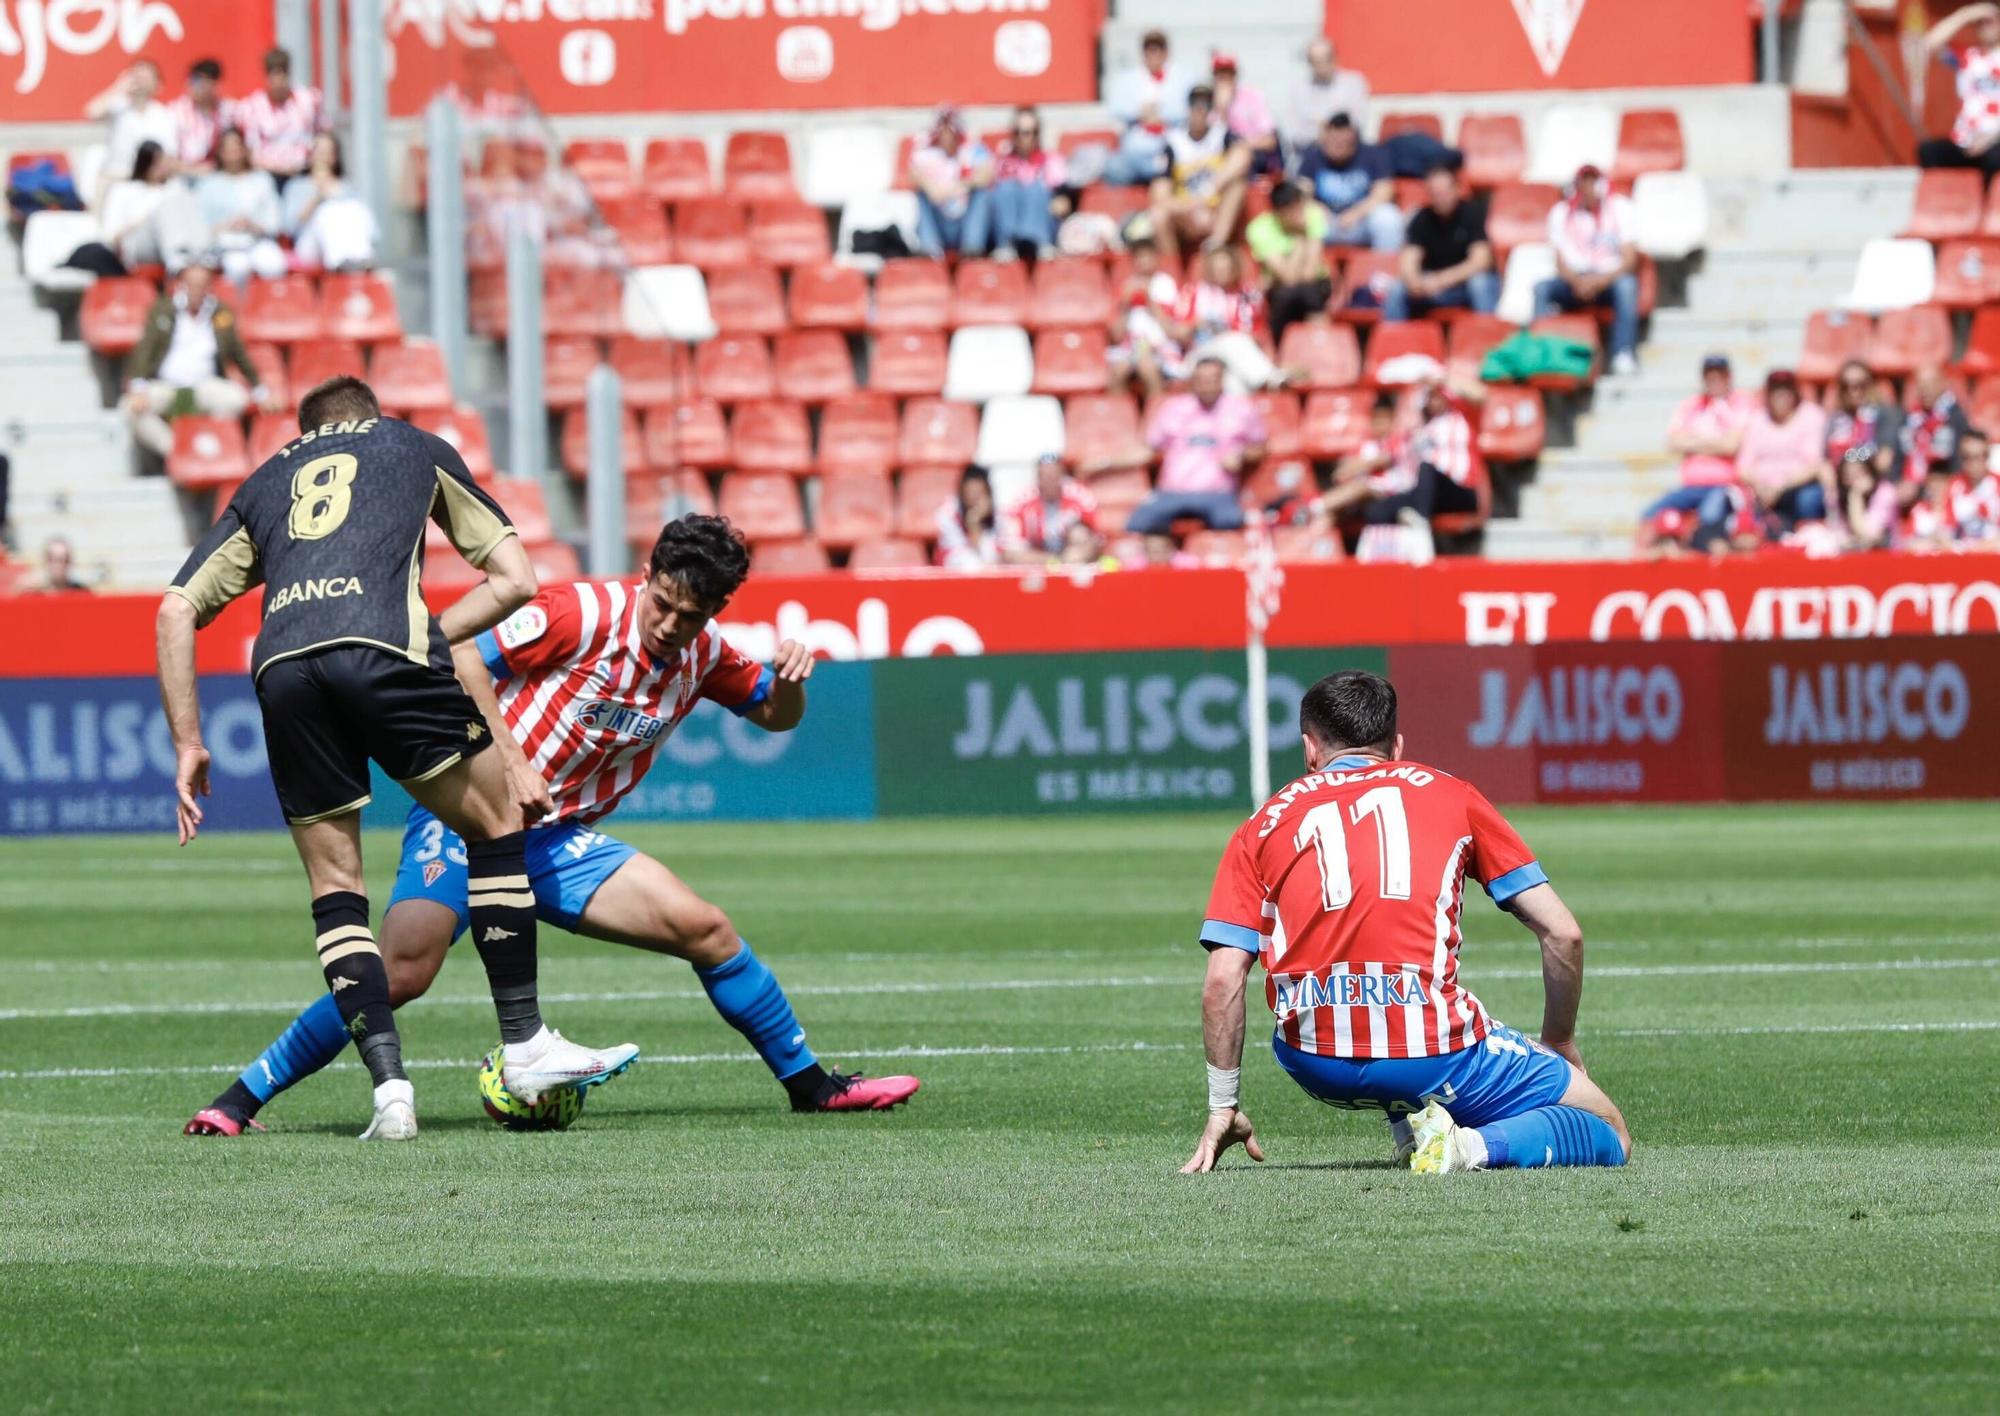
x=238 y=1101
x=359 y=984
x=807 y=1088
x=502 y=906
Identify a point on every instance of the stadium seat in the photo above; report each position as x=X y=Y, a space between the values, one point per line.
x=567 y=361
x=521 y=498
x=1069 y=293
x=281 y=311
x=654 y=499
x=988 y=361
x=1298 y=545
x=763 y=506
x=990 y=293
x=592 y=300
x=1671 y=211
x=1982 y=346
x=1329 y=354
x=1119 y=490
x=1527 y=267
x=640 y=224
x=881 y=212
x=1101 y=432
x=1214 y=548
x=207 y=452
x=1370 y=272
x=735 y=369
x=789 y=232
x=801 y=556
x=888 y=553
x=857 y=434
x=325 y=359
x=47 y=241
x=1495 y=149
x=269 y=432
x=937 y=432
x=1118 y=203
x=912 y=294
x=1019 y=430
x=712 y=232
x=746 y=300
x=1335 y=422
x=771 y=436
x=359 y=305
x=854 y=508
x=1518 y=215
x=663 y=302
x=1571 y=135
x=1947 y=204
x=604 y=165
x=1069 y=361
x=687 y=433
x=846 y=162
x=269 y=361
x=649 y=370
x=920 y=493
x=676 y=170
x=1275 y=480
x=464 y=429
x=813 y=365
x=1512 y=425
x=574 y=443
x=757 y=166
x=1968 y=272
x=1469 y=338
x=113 y=314
x=1583 y=328
x=1893 y=275
x=908 y=363
x=555 y=563
x=1832 y=338
x=410 y=376
x=1464 y=523
x=829 y=296
x=1400 y=340
x=1394 y=123
x=1649 y=140
x=1908 y=340
x=1280 y=410
x=1069 y=143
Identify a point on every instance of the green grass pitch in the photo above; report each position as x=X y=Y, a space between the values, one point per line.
x=1798 y=1009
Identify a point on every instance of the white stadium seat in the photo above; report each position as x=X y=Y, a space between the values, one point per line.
x=46 y=243
x=1672 y=210
x=668 y=302
x=1527 y=267
x=875 y=212
x=844 y=164
x=1893 y=275
x=1018 y=431
x=988 y=361
x=1570 y=135
x=86 y=169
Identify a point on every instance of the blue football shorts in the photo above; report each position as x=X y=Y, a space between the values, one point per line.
x=1503 y=1074
x=566 y=864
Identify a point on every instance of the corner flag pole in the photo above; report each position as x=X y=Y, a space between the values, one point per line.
x=1263 y=583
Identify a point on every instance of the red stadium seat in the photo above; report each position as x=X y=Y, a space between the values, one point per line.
x=113 y=313
x=1395 y=340
x=410 y=376
x=990 y=292
x=1068 y=143
x=1329 y=353
x=1426 y=123
x=555 y=563
x=1101 y=432
x=1118 y=491
x=1982 y=344
x=1280 y=408
x=858 y=434
x=587 y=300
x=1512 y=427
x=1832 y=338
x=1297 y=545
x=746 y=300
x=464 y=429
x=575 y=443
x=1984 y=406
x=1369 y=272
x=1218 y=548
x=1519 y=214
x=689 y=433
x=1495 y=148
x=1472 y=336
x=853 y=509
x=1069 y=293
x=829 y=297
x=1968 y=273
x=676 y=170
x=920 y=492
x=269 y=361
x=1069 y=361
x=1463 y=523
x=906 y=148
x=908 y=363
x=912 y=294
x=814 y=365
x=324 y=359
x=734 y=369
x=1118 y=203
x=640 y=224
x=486 y=302
x=1276 y=480
x=771 y=436
x=269 y=432
x=208 y=452
x=1335 y=422
x=604 y=164
x=794 y=557
x=936 y=432
x=1908 y=340
x=1583 y=329
x=1649 y=140
x=360 y=306
x=649 y=370
x=757 y=165
x=652 y=500
x=788 y=233
x=566 y=364
x=521 y=498
x=1947 y=204
x=888 y=553
x=764 y=506
x=711 y=232
x=281 y=311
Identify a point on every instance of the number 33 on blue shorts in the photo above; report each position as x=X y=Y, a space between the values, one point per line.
x=566 y=864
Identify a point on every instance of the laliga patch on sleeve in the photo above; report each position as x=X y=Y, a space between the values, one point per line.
x=523 y=627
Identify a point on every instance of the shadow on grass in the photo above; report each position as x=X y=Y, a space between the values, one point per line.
x=1253 y=1168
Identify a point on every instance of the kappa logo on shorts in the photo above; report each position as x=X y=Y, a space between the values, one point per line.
x=474 y=731
x=432 y=873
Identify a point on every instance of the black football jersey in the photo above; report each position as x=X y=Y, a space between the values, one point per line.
x=332 y=526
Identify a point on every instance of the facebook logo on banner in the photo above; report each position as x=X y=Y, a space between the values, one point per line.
x=93 y=754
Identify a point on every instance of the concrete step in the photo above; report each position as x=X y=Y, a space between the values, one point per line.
x=1526 y=541
x=1828 y=209
x=1700 y=326
x=1608 y=507
x=1622 y=437
x=145 y=570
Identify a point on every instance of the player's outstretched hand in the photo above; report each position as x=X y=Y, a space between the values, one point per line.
x=1224 y=1129
x=529 y=789
x=794 y=663
x=190 y=782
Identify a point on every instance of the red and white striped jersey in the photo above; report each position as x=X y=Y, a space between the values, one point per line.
x=586 y=701
x=1349 y=884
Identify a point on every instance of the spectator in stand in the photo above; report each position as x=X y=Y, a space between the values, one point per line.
x=953 y=177
x=1975 y=135
x=1353 y=180
x=1446 y=258
x=1863 y=457
x=331 y=227
x=967 y=532
x=150 y=219
x=1928 y=437
x=1325 y=90
x=177 y=367
x=1158 y=85
x=59 y=569
x=1781 y=457
x=1289 y=243
x=1246 y=115
x=200 y=115
x=1440 y=461
x=240 y=205
x=1216 y=317
x=1206 y=438
x=1977 y=505
x=1378 y=468
x=1596 y=262
x=136 y=116
x=1027 y=200
x=1041 y=526
x=1200 y=195
x=280 y=120
x=1142 y=152
x=1141 y=346
x=1706 y=432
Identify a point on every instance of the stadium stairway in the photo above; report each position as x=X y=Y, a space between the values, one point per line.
x=1778 y=249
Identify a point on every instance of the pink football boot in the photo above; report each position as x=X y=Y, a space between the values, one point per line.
x=855 y=1092
x=213 y=1121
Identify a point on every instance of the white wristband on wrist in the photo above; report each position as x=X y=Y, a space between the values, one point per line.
x=1224 y=1087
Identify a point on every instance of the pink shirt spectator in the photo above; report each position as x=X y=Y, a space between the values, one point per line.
x=1773 y=454
x=195 y=131
x=1193 y=441
x=1043 y=166
x=1590 y=242
x=950 y=173
x=1709 y=418
x=281 y=135
x=1249 y=116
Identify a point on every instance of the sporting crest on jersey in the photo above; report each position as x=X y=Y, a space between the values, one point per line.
x=524 y=626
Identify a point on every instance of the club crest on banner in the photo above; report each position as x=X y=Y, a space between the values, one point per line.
x=1550 y=25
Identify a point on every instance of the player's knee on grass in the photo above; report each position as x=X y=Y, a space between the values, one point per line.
x=1586 y=1095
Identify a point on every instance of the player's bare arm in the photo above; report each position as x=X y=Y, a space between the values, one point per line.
x=509 y=584
x=790 y=669
x=1222 y=1039
x=528 y=788
x=179 y=695
x=1561 y=940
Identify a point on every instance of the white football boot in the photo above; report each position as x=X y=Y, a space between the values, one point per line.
x=395 y=1113
x=1443 y=1145
x=549 y=1060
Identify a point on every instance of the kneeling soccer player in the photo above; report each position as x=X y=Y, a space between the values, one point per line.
x=1348 y=884
x=591 y=680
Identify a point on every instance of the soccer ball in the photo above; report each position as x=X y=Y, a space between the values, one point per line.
x=556 y=1111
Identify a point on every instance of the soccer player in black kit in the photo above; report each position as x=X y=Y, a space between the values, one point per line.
x=350 y=665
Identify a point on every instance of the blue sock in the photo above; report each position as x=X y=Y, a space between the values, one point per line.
x=1552 y=1135
x=314 y=1039
x=749 y=999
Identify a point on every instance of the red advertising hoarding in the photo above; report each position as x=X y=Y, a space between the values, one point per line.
x=56 y=55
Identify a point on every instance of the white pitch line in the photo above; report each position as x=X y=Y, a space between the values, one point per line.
x=998 y=985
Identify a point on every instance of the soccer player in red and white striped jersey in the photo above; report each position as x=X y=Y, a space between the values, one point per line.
x=1348 y=885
